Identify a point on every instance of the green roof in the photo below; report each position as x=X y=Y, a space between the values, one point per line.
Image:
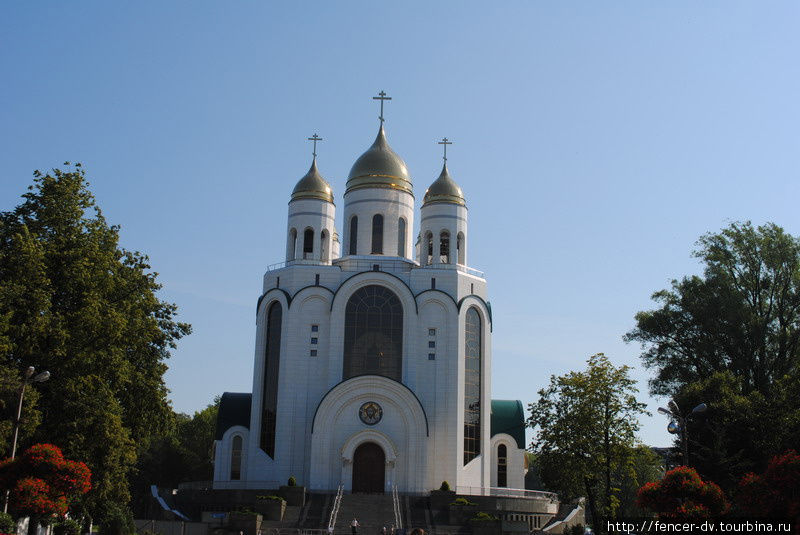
x=234 y=409
x=509 y=417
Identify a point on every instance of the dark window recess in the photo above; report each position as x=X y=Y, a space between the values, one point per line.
x=278 y=282
x=308 y=242
x=236 y=458
x=401 y=237
x=272 y=356
x=502 y=466
x=316 y=279
x=472 y=288
x=376 y=267
x=314 y=328
x=431 y=356
x=314 y=341
x=433 y=283
x=431 y=343
x=377 y=234
x=472 y=385
x=373 y=333
x=354 y=235
x=431 y=332
x=313 y=352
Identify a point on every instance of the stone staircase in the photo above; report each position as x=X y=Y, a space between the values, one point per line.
x=373 y=511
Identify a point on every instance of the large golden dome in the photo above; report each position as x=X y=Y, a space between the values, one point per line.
x=379 y=167
x=444 y=189
x=313 y=186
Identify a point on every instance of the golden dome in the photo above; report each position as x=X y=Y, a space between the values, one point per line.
x=444 y=189
x=379 y=167
x=313 y=186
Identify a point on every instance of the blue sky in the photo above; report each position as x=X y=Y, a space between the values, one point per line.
x=594 y=141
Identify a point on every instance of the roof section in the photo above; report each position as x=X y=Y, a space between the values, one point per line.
x=508 y=417
x=234 y=409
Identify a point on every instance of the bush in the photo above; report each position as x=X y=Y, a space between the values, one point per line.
x=67 y=526
x=7 y=524
x=462 y=501
x=270 y=497
x=292 y=481
x=484 y=517
x=117 y=520
x=445 y=486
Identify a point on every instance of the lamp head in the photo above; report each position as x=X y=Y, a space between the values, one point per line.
x=29 y=372
x=662 y=410
x=673 y=428
x=700 y=409
x=42 y=377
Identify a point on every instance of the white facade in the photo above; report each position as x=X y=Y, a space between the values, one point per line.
x=412 y=372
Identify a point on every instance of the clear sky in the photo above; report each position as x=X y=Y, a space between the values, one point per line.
x=594 y=141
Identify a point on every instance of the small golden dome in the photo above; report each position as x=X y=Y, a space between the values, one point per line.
x=313 y=186
x=444 y=189
x=379 y=167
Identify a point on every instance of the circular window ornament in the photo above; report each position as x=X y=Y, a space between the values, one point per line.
x=370 y=413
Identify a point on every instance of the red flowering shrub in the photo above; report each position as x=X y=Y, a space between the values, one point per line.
x=775 y=493
x=682 y=494
x=42 y=482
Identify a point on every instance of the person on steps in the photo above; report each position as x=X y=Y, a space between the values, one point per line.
x=354 y=527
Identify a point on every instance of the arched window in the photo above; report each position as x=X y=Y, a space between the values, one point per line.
x=401 y=237
x=444 y=247
x=291 y=245
x=354 y=235
x=460 y=248
x=502 y=466
x=272 y=357
x=472 y=385
x=324 y=246
x=377 y=234
x=373 y=333
x=236 y=458
x=428 y=247
x=308 y=243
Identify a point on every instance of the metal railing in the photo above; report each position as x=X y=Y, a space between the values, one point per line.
x=551 y=497
x=335 y=508
x=398 y=516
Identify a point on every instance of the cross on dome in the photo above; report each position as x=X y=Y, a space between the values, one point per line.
x=315 y=138
x=445 y=142
x=381 y=96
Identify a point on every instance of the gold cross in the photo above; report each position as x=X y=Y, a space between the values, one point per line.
x=382 y=96
x=315 y=138
x=445 y=142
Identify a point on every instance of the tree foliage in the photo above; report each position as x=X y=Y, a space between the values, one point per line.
x=742 y=315
x=776 y=492
x=42 y=482
x=586 y=426
x=681 y=495
x=75 y=303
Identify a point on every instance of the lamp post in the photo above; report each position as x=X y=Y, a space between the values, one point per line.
x=29 y=377
x=678 y=424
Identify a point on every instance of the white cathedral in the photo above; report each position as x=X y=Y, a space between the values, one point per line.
x=373 y=355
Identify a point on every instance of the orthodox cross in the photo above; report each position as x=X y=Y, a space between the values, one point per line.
x=445 y=142
x=382 y=96
x=315 y=138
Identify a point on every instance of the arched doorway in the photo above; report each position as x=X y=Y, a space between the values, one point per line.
x=369 y=468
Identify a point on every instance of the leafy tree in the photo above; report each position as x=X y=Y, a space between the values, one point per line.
x=776 y=492
x=742 y=315
x=75 y=303
x=587 y=423
x=682 y=494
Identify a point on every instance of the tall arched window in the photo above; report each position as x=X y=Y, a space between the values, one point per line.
x=308 y=243
x=472 y=385
x=401 y=237
x=373 y=334
x=272 y=357
x=460 y=248
x=502 y=466
x=428 y=247
x=444 y=247
x=354 y=235
x=324 y=246
x=377 y=234
x=236 y=458
x=291 y=245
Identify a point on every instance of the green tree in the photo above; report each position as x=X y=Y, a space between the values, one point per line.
x=73 y=302
x=586 y=426
x=742 y=315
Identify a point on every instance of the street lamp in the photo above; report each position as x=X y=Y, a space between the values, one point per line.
x=29 y=377
x=679 y=426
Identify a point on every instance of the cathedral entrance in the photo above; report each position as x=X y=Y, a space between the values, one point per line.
x=369 y=468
